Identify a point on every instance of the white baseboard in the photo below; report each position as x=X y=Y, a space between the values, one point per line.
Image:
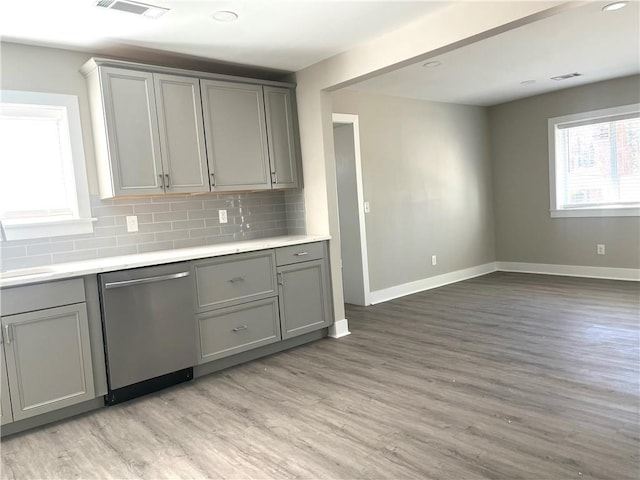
x=339 y=329
x=610 y=273
x=390 y=293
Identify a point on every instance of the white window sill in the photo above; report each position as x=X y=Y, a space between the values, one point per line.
x=22 y=230
x=596 y=212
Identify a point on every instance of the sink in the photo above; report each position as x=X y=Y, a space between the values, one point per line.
x=25 y=272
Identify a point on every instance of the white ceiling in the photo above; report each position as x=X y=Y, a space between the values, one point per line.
x=284 y=35
x=600 y=45
x=290 y=35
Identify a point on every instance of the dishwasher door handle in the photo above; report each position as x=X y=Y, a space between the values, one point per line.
x=138 y=281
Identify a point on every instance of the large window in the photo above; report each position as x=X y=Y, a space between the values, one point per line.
x=43 y=185
x=594 y=167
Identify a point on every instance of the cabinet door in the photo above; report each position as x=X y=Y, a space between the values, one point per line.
x=132 y=131
x=184 y=160
x=48 y=359
x=5 y=401
x=280 y=134
x=304 y=298
x=236 y=136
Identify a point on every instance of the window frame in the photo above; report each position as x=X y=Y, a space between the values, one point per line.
x=591 y=210
x=41 y=227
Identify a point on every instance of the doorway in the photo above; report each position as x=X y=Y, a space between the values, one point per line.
x=353 y=241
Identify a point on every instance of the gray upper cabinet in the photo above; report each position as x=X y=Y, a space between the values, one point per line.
x=148 y=132
x=127 y=145
x=281 y=137
x=184 y=160
x=236 y=135
x=5 y=403
x=48 y=359
x=163 y=130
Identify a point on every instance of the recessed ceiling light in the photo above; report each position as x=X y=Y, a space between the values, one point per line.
x=527 y=82
x=432 y=64
x=614 y=6
x=225 y=16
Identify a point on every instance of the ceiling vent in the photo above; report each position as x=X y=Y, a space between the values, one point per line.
x=136 y=8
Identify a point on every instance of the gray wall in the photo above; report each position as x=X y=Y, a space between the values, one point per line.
x=426 y=173
x=165 y=222
x=350 y=240
x=524 y=230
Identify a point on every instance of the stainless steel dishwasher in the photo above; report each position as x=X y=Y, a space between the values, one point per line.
x=149 y=329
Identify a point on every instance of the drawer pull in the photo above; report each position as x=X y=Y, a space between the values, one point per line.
x=240 y=328
x=236 y=280
x=301 y=254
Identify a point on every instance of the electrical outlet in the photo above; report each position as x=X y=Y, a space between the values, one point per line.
x=600 y=249
x=222 y=216
x=367 y=208
x=434 y=260
x=132 y=223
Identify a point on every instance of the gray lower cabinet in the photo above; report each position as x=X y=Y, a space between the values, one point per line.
x=231 y=330
x=237 y=304
x=48 y=359
x=6 y=415
x=304 y=293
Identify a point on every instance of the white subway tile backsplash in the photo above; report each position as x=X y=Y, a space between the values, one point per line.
x=24 y=262
x=99 y=242
x=51 y=247
x=154 y=227
x=187 y=224
x=75 y=256
x=173 y=235
x=164 y=223
x=135 y=238
x=186 y=206
x=13 y=252
x=151 y=208
x=117 y=251
x=155 y=247
x=170 y=216
x=112 y=210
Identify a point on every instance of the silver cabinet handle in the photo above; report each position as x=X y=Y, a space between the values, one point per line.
x=301 y=254
x=161 y=177
x=213 y=179
x=238 y=329
x=280 y=278
x=8 y=334
x=236 y=279
x=274 y=177
x=166 y=175
x=138 y=281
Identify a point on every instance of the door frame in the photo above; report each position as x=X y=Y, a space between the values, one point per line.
x=350 y=119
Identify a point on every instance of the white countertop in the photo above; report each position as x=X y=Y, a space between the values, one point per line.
x=59 y=271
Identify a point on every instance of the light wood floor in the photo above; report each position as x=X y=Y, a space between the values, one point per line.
x=506 y=376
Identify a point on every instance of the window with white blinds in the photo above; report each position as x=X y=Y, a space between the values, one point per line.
x=594 y=163
x=43 y=186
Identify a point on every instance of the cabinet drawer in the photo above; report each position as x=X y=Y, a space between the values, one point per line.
x=232 y=330
x=226 y=281
x=299 y=253
x=42 y=295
